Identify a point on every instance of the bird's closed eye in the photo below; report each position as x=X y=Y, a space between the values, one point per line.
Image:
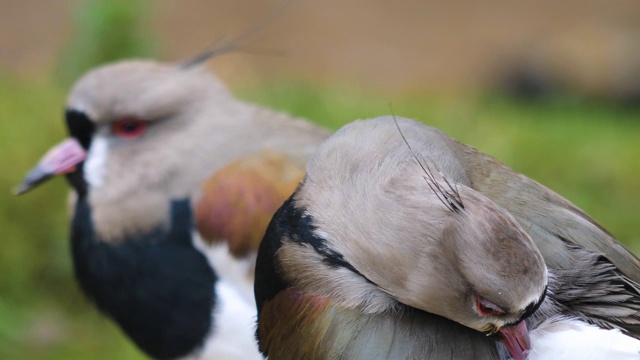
x=485 y=307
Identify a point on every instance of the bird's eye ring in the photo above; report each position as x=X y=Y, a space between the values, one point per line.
x=129 y=128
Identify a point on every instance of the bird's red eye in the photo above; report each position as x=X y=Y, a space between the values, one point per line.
x=486 y=307
x=129 y=128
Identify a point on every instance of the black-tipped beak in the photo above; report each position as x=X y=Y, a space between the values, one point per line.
x=61 y=159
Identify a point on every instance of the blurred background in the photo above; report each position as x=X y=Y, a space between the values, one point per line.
x=550 y=88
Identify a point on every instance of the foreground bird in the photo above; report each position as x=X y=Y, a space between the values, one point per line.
x=416 y=247
x=175 y=183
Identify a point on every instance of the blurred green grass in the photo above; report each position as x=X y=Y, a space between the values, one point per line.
x=42 y=313
x=586 y=152
x=104 y=31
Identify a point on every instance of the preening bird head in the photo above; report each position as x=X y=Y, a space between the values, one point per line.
x=491 y=251
x=422 y=238
x=504 y=274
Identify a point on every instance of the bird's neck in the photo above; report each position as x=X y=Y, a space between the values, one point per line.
x=115 y=218
x=155 y=284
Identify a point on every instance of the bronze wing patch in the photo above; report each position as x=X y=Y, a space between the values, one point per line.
x=240 y=199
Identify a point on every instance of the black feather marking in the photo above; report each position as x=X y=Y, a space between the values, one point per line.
x=156 y=286
x=303 y=232
x=268 y=279
x=533 y=307
x=449 y=197
x=293 y=223
x=82 y=128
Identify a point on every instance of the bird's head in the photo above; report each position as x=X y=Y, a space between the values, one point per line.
x=135 y=130
x=126 y=110
x=499 y=274
x=503 y=275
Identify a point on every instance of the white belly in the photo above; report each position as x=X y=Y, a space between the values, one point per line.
x=234 y=327
x=571 y=339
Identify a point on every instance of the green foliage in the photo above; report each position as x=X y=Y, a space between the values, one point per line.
x=105 y=31
x=586 y=152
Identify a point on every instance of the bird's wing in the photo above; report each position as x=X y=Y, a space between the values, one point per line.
x=239 y=200
x=594 y=291
x=334 y=332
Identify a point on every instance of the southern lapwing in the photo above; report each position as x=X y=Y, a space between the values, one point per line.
x=175 y=181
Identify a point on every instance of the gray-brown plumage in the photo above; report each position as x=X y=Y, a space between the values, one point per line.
x=576 y=248
x=169 y=167
x=385 y=232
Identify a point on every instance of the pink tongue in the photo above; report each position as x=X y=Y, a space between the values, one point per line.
x=516 y=339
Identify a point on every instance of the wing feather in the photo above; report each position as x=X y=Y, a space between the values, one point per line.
x=239 y=200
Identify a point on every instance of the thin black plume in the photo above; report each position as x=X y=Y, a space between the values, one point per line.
x=224 y=46
x=449 y=197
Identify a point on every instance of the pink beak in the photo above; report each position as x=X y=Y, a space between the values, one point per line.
x=61 y=159
x=516 y=339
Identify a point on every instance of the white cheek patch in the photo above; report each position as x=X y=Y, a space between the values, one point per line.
x=94 y=165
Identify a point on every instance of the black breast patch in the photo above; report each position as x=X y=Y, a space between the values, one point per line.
x=156 y=286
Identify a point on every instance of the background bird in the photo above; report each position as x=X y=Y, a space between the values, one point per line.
x=388 y=239
x=175 y=181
